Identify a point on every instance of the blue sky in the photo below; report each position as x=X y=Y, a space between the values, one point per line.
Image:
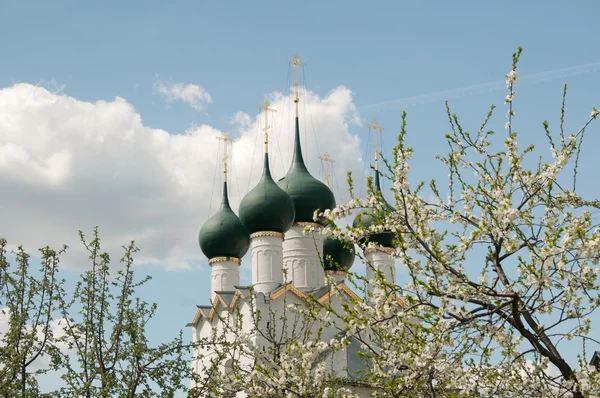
x=407 y=52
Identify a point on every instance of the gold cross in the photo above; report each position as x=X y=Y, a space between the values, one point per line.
x=376 y=127
x=296 y=63
x=265 y=107
x=225 y=138
x=327 y=159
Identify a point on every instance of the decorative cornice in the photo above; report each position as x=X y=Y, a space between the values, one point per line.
x=349 y=291
x=335 y=272
x=308 y=224
x=388 y=250
x=288 y=287
x=266 y=233
x=215 y=303
x=224 y=258
x=236 y=297
x=342 y=287
x=197 y=317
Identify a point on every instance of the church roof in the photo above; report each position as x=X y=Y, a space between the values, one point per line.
x=229 y=299
x=307 y=193
x=267 y=207
x=320 y=292
x=370 y=217
x=224 y=235
x=337 y=256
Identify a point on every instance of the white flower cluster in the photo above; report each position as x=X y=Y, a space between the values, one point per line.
x=511 y=78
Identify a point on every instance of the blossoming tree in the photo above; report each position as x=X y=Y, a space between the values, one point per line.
x=503 y=279
x=504 y=268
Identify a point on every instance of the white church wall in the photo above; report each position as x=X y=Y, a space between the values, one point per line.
x=379 y=261
x=224 y=276
x=267 y=260
x=301 y=263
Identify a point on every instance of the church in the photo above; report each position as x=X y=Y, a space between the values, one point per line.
x=292 y=262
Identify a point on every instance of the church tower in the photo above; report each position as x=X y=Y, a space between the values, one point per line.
x=224 y=240
x=379 y=258
x=268 y=213
x=302 y=254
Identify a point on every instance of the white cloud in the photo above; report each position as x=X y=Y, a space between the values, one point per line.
x=191 y=94
x=241 y=119
x=67 y=165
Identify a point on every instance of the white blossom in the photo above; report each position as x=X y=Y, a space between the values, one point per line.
x=511 y=78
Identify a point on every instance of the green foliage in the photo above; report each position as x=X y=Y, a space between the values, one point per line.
x=93 y=338
x=28 y=301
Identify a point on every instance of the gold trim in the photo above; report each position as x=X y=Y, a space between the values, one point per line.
x=308 y=224
x=349 y=291
x=289 y=287
x=235 y=299
x=215 y=304
x=197 y=317
x=335 y=290
x=401 y=302
x=335 y=272
x=326 y=296
x=266 y=233
x=389 y=250
x=224 y=258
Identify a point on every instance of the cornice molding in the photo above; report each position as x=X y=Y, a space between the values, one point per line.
x=335 y=272
x=388 y=250
x=308 y=224
x=223 y=259
x=266 y=233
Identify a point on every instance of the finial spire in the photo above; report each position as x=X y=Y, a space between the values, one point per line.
x=265 y=107
x=225 y=138
x=327 y=159
x=296 y=63
x=375 y=128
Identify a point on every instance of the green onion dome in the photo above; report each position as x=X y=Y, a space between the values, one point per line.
x=369 y=217
x=224 y=235
x=337 y=255
x=308 y=193
x=267 y=207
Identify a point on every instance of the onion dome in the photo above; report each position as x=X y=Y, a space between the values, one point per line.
x=308 y=193
x=267 y=207
x=369 y=217
x=337 y=256
x=224 y=235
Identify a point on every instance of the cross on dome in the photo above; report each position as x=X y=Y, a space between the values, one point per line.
x=375 y=128
x=296 y=63
x=265 y=107
x=225 y=138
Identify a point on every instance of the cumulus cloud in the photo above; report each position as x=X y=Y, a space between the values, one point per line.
x=191 y=94
x=67 y=164
x=241 y=119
